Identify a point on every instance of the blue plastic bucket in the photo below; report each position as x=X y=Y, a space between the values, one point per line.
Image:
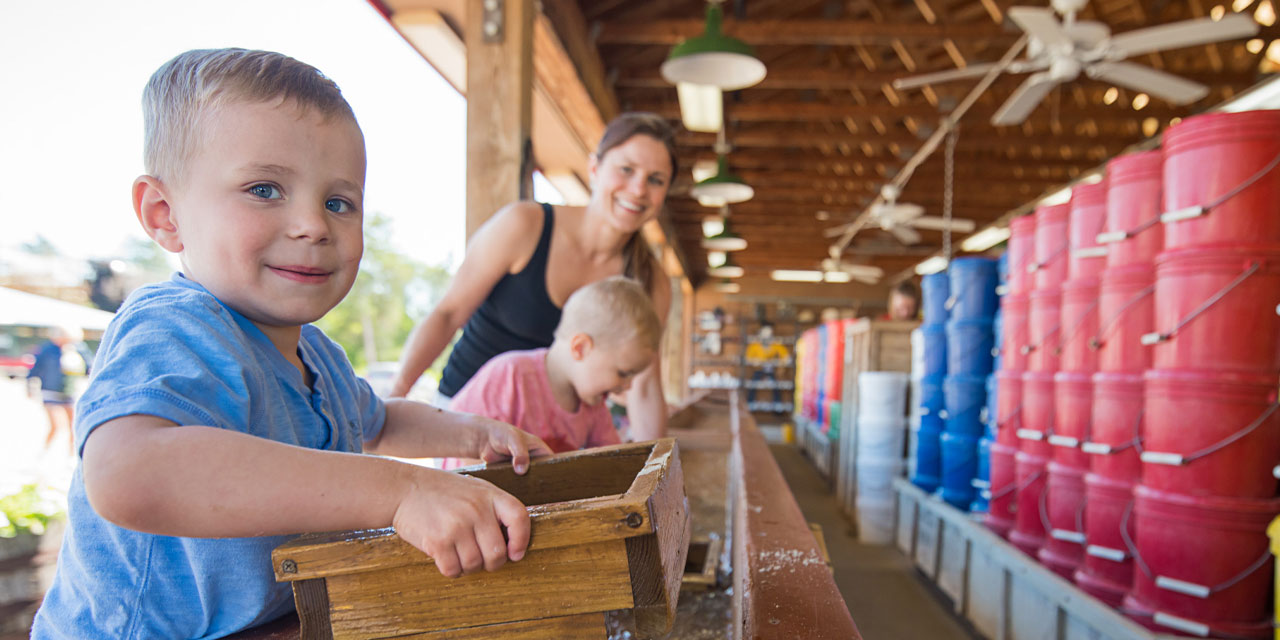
x=959 y=468
x=1002 y=267
x=927 y=474
x=982 y=482
x=992 y=386
x=973 y=288
x=936 y=288
x=935 y=350
x=932 y=396
x=965 y=399
x=970 y=344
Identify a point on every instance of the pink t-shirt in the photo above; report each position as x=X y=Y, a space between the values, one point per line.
x=513 y=387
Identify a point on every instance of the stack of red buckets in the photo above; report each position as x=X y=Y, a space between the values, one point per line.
x=1062 y=508
x=1211 y=429
x=1048 y=273
x=1014 y=309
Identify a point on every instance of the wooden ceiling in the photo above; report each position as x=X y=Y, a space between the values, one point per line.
x=820 y=135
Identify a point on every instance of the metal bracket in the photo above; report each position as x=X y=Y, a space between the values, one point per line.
x=492 y=21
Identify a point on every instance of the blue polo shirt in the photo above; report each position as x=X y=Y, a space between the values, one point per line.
x=176 y=352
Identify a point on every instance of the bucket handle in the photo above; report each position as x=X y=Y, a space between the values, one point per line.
x=1027 y=349
x=1065 y=535
x=1012 y=414
x=1016 y=486
x=954 y=299
x=1182 y=586
x=1036 y=266
x=1097 y=250
x=1106 y=327
x=1110 y=237
x=1098 y=448
x=1158 y=337
x=1075 y=327
x=1178 y=459
x=1195 y=211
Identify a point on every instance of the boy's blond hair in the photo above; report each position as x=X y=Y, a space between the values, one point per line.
x=611 y=311
x=187 y=89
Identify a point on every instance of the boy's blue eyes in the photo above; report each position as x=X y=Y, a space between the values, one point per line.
x=265 y=191
x=271 y=192
x=336 y=205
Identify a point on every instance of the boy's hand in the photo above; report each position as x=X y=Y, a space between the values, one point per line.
x=499 y=441
x=459 y=520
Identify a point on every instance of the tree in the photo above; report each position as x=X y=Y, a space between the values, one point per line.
x=390 y=293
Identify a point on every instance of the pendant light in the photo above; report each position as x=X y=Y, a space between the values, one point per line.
x=727 y=286
x=714 y=58
x=729 y=269
x=723 y=187
x=725 y=239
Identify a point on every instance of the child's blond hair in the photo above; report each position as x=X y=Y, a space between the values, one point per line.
x=611 y=311
x=187 y=89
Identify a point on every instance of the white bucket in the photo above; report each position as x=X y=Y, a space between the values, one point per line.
x=881 y=437
x=876 y=519
x=875 y=476
x=917 y=352
x=882 y=393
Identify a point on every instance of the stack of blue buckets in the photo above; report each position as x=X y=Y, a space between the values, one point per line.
x=929 y=369
x=966 y=320
x=982 y=483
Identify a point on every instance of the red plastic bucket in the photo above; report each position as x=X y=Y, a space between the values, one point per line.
x=1079 y=325
x=1194 y=416
x=1091 y=585
x=1216 y=309
x=1217 y=544
x=1022 y=245
x=1207 y=157
x=1004 y=489
x=1126 y=312
x=1014 y=311
x=1063 y=550
x=1133 y=209
x=1073 y=415
x=1037 y=414
x=1051 y=247
x=1108 y=564
x=1117 y=424
x=1088 y=218
x=1146 y=615
x=1043 y=330
x=1028 y=530
x=1008 y=406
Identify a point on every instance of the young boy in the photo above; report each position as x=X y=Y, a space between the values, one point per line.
x=218 y=421
x=608 y=333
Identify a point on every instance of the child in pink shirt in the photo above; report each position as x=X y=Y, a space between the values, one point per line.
x=608 y=333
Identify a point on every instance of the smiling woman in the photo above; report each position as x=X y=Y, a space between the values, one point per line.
x=529 y=258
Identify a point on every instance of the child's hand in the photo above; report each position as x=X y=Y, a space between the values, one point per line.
x=458 y=521
x=500 y=441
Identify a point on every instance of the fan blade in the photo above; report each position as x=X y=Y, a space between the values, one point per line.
x=903 y=212
x=905 y=235
x=1157 y=83
x=1180 y=34
x=865 y=270
x=938 y=223
x=1024 y=99
x=1042 y=24
x=971 y=71
x=865 y=279
x=833 y=232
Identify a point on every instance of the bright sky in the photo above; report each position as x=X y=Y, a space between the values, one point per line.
x=72 y=74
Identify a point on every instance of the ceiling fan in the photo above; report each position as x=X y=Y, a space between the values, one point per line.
x=1059 y=51
x=865 y=273
x=902 y=219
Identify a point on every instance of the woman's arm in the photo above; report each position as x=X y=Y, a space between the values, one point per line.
x=646 y=404
x=505 y=242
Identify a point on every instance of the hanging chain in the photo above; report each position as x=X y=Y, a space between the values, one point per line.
x=949 y=159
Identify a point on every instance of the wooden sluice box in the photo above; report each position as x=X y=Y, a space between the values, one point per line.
x=610 y=531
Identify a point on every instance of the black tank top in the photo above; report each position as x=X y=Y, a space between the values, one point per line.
x=517 y=315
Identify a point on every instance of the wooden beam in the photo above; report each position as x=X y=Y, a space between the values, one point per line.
x=839 y=32
x=567 y=19
x=499 y=109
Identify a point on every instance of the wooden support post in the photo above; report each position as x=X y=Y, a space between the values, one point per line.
x=499 y=112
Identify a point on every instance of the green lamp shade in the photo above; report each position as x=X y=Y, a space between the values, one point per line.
x=714 y=59
x=723 y=187
x=726 y=240
x=729 y=269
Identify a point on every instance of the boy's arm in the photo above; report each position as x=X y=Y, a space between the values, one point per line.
x=416 y=430
x=143 y=474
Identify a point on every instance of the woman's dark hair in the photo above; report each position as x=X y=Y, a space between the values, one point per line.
x=638 y=262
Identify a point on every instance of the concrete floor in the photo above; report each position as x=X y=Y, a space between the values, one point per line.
x=888 y=599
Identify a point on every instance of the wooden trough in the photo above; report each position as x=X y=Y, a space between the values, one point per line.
x=610 y=530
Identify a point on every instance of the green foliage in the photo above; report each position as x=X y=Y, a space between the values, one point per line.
x=28 y=510
x=392 y=292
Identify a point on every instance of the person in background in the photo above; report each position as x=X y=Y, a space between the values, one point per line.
x=62 y=364
x=904 y=301
x=607 y=335
x=220 y=421
x=526 y=261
